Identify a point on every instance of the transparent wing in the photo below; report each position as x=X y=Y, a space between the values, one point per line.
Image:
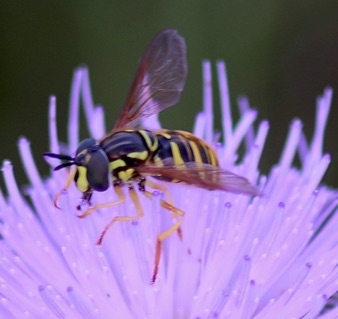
x=202 y=175
x=159 y=80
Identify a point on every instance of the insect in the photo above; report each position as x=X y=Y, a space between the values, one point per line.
x=129 y=153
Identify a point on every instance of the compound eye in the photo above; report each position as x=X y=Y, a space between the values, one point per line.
x=85 y=144
x=98 y=171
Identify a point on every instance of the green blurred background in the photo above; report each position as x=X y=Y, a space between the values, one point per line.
x=281 y=54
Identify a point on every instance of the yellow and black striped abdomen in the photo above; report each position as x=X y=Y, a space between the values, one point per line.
x=182 y=147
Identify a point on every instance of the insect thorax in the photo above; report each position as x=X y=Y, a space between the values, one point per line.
x=126 y=151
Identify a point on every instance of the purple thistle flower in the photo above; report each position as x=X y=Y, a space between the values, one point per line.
x=273 y=256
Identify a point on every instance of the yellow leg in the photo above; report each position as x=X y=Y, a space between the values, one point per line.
x=160 y=188
x=69 y=181
x=167 y=205
x=176 y=227
x=176 y=214
x=157 y=260
x=121 y=199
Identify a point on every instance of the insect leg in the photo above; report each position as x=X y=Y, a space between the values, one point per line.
x=176 y=213
x=136 y=202
x=69 y=181
x=121 y=199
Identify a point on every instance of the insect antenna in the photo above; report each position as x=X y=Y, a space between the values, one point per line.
x=63 y=157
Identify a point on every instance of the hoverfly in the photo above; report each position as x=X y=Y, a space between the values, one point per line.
x=129 y=153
